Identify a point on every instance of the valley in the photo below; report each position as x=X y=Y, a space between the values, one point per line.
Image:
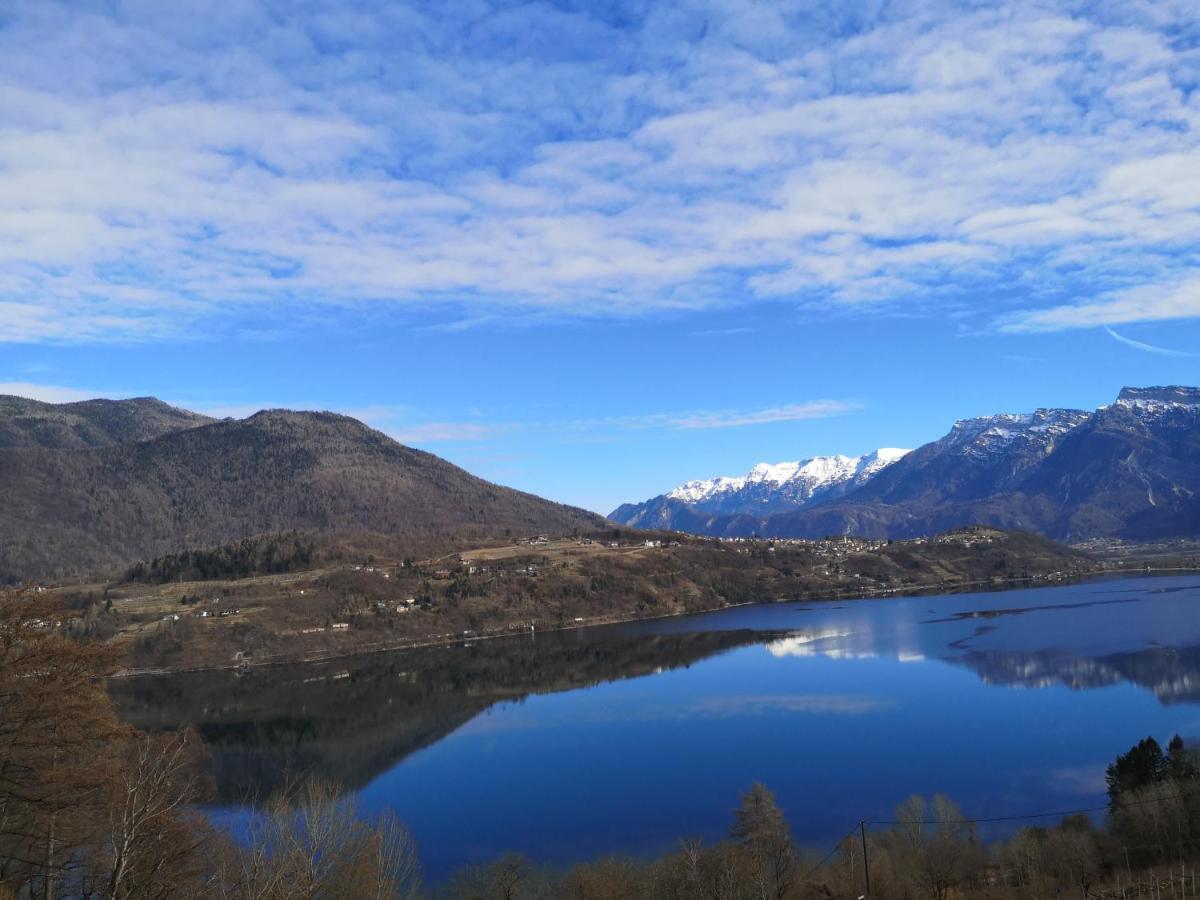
x=317 y=603
x=843 y=708
x=193 y=542
x=612 y=450
x=373 y=594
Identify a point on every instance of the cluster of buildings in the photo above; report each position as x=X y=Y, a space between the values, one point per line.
x=217 y=614
x=833 y=547
x=964 y=538
x=371 y=569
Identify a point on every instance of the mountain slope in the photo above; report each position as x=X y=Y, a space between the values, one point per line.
x=90 y=423
x=765 y=490
x=79 y=510
x=1132 y=470
x=1128 y=470
x=978 y=458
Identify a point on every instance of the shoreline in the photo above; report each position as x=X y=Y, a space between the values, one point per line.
x=458 y=640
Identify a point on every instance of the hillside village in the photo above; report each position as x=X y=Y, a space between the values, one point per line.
x=356 y=597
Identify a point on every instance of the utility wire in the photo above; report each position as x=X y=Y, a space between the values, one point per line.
x=1013 y=818
x=1010 y=818
x=1037 y=815
x=828 y=856
x=853 y=832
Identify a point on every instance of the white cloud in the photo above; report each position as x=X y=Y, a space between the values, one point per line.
x=1147 y=303
x=453 y=432
x=53 y=393
x=794 y=412
x=1148 y=348
x=724 y=332
x=447 y=432
x=165 y=171
x=399 y=422
x=728 y=706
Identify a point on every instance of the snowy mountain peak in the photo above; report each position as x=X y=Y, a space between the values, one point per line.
x=1006 y=425
x=1155 y=399
x=882 y=458
x=994 y=437
x=998 y=420
x=692 y=491
x=786 y=484
x=775 y=473
x=1127 y=470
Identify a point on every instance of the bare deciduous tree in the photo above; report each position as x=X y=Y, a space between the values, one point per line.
x=937 y=849
x=312 y=842
x=152 y=847
x=759 y=826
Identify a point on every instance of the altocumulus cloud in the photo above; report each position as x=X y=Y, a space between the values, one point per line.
x=164 y=164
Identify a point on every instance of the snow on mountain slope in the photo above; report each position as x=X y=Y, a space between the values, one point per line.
x=1003 y=433
x=1128 y=470
x=1158 y=401
x=771 y=487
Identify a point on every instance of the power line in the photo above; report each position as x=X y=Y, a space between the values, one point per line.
x=1037 y=815
x=985 y=819
x=1181 y=790
x=1013 y=818
x=861 y=827
x=828 y=856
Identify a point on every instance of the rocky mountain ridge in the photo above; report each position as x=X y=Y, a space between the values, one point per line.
x=766 y=489
x=1130 y=470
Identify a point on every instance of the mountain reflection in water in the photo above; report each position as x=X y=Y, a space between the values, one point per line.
x=622 y=739
x=1172 y=674
x=352 y=718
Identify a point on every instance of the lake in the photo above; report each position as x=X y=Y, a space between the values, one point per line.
x=621 y=739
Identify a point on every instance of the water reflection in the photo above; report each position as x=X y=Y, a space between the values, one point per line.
x=623 y=738
x=813 y=643
x=354 y=718
x=1172 y=674
x=1085 y=644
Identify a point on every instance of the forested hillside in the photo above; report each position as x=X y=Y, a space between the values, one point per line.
x=104 y=503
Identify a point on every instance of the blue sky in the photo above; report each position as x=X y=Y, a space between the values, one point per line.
x=595 y=249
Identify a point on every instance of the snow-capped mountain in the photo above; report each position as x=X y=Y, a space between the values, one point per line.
x=1158 y=401
x=980 y=456
x=989 y=435
x=1130 y=470
x=787 y=485
x=766 y=489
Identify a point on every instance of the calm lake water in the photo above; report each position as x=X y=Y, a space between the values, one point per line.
x=621 y=739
